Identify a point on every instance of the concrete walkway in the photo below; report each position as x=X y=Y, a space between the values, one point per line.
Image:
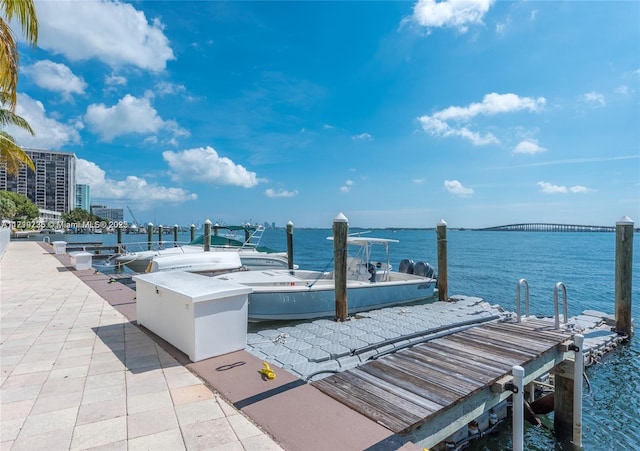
x=76 y=374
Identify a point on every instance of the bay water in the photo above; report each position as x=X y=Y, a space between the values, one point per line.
x=489 y=265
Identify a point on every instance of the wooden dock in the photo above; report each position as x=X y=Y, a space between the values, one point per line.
x=442 y=385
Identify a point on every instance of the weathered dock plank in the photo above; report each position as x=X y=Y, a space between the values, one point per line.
x=449 y=379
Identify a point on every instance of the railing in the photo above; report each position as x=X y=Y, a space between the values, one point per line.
x=556 y=316
x=555 y=303
x=5 y=237
x=522 y=282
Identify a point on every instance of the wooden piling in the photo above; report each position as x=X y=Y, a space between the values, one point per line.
x=441 y=232
x=563 y=400
x=624 y=264
x=207 y=235
x=192 y=231
x=340 y=252
x=119 y=238
x=175 y=235
x=290 y=244
x=160 y=231
x=149 y=236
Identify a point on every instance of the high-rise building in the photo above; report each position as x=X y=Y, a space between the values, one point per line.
x=110 y=214
x=83 y=197
x=53 y=184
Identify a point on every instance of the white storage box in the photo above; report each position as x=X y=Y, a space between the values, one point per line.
x=60 y=247
x=80 y=260
x=201 y=316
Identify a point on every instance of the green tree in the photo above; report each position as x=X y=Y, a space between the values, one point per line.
x=78 y=216
x=12 y=157
x=8 y=209
x=25 y=209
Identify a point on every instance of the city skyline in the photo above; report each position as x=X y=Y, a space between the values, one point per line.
x=396 y=114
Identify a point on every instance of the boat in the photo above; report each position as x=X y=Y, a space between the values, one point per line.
x=252 y=255
x=205 y=263
x=279 y=294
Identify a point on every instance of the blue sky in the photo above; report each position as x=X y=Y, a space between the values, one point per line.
x=397 y=114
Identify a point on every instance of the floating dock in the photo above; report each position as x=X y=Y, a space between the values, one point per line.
x=426 y=371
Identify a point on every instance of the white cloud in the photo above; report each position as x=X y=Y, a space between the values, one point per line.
x=165 y=88
x=593 y=99
x=131 y=115
x=579 y=189
x=549 y=188
x=438 y=124
x=449 y=13
x=111 y=31
x=115 y=80
x=55 y=77
x=492 y=103
x=528 y=146
x=132 y=189
x=205 y=165
x=455 y=187
x=362 y=137
x=280 y=193
x=418 y=181
x=347 y=186
x=622 y=89
x=49 y=133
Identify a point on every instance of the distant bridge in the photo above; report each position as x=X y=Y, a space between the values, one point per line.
x=542 y=227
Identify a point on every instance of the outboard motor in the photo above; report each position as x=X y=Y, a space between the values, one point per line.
x=406 y=266
x=423 y=269
x=372 y=270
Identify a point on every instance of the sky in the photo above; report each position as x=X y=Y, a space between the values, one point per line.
x=394 y=113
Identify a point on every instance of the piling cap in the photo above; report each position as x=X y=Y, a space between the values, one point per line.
x=175 y=225
x=290 y=223
x=442 y=222
x=150 y=224
x=208 y=221
x=340 y=218
x=625 y=220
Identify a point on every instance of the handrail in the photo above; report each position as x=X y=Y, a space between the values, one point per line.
x=555 y=303
x=526 y=297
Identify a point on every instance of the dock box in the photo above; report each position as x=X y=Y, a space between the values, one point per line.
x=59 y=247
x=201 y=316
x=80 y=260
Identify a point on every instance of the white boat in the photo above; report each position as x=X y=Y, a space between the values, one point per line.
x=302 y=294
x=206 y=263
x=252 y=255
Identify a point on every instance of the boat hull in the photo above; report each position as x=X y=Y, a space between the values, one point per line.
x=295 y=295
x=139 y=261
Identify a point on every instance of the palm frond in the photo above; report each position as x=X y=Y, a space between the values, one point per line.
x=12 y=156
x=8 y=65
x=8 y=117
x=25 y=13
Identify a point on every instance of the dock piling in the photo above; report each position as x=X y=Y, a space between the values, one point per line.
x=518 y=408
x=175 y=235
x=149 y=236
x=441 y=231
x=119 y=238
x=192 y=231
x=340 y=233
x=578 y=369
x=207 y=235
x=160 y=230
x=624 y=264
x=290 y=245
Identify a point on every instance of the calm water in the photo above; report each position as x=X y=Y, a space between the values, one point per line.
x=489 y=265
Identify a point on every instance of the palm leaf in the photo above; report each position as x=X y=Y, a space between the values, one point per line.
x=12 y=156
